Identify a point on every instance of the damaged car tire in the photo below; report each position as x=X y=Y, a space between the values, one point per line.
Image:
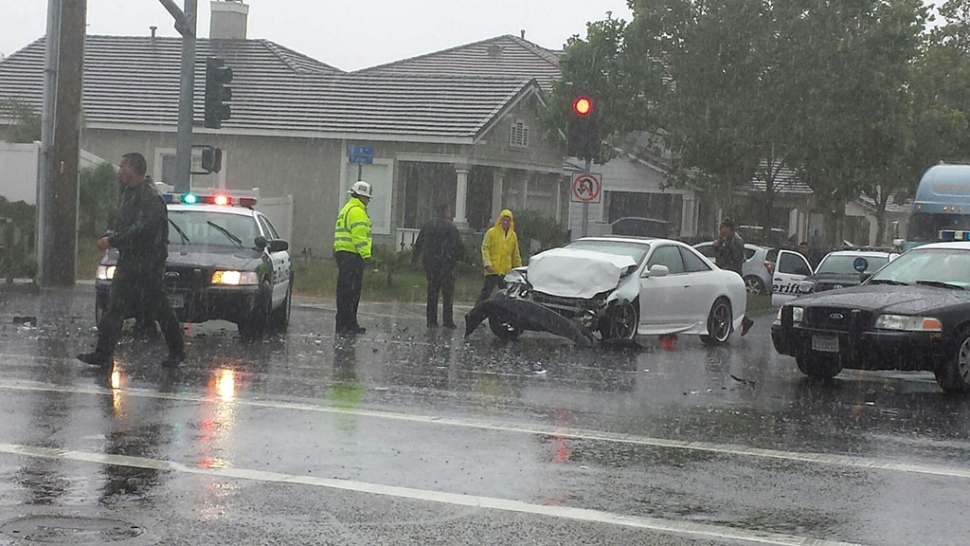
x=719 y=323
x=621 y=321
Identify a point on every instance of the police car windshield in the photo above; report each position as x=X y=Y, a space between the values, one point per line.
x=210 y=228
x=845 y=265
x=938 y=265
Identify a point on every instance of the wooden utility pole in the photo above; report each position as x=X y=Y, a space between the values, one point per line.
x=59 y=185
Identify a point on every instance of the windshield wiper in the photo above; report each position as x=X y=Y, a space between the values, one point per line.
x=227 y=233
x=940 y=284
x=887 y=281
x=185 y=238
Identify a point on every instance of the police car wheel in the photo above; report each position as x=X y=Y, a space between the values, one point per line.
x=257 y=324
x=954 y=374
x=819 y=366
x=281 y=316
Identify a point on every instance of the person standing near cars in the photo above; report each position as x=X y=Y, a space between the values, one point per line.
x=141 y=236
x=352 y=249
x=439 y=246
x=500 y=253
x=729 y=248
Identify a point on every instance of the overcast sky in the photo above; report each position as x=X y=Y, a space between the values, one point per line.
x=349 y=34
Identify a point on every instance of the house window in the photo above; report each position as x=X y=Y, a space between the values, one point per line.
x=519 y=134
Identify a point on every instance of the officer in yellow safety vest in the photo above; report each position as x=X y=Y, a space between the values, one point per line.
x=351 y=248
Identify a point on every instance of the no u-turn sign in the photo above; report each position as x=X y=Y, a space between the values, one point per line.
x=586 y=188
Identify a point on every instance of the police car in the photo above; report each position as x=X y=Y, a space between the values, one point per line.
x=226 y=261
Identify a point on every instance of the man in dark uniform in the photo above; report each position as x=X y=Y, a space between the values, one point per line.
x=439 y=246
x=141 y=236
x=729 y=251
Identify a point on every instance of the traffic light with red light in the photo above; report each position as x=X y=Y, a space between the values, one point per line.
x=583 y=136
x=217 y=92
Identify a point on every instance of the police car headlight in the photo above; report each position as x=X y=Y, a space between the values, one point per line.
x=105 y=272
x=797 y=314
x=908 y=324
x=235 y=278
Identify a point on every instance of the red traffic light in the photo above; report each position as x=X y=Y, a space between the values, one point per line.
x=583 y=106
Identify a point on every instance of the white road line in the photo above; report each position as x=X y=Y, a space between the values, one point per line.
x=532 y=429
x=688 y=529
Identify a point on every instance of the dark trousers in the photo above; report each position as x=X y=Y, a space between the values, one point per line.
x=441 y=280
x=491 y=283
x=127 y=288
x=350 y=279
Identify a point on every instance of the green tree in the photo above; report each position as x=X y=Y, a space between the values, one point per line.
x=624 y=87
x=26 y=125
x=98 y=197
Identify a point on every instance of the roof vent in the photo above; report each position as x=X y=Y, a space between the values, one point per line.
x=494 y=51
x=522 y=33
x=228 y=20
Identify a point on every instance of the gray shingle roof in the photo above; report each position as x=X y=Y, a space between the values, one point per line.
x=786 y=181
x=134 y=81
x=502 y=56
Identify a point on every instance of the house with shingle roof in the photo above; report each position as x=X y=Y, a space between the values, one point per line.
x=436 y=137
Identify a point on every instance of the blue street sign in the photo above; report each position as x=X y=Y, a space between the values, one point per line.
x=360 y=155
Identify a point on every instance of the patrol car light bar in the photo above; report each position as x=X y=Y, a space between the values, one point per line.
x=953 y=235
x=220 y=199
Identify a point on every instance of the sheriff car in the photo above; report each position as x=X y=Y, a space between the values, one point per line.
x=225 y=261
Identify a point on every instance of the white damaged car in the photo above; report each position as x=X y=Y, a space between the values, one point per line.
x=615 y=288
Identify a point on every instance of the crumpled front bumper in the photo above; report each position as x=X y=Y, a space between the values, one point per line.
x=528 y=315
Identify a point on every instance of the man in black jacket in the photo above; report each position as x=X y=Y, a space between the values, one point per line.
x=729 y=249
x=141 y=236
x=440 y=246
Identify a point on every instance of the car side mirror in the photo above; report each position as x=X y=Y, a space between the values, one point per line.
x=260 y=242
x=657 y=271
x=278 y=245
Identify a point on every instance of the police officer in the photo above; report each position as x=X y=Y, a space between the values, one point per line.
x=352 y=248
x=141 y=236
x=439 y=246
x=729 y=251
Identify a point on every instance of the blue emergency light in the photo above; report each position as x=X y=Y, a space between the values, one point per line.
x=948 y=235
x=220 y=199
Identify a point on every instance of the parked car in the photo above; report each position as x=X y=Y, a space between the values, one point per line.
x=757 y=276
x=603 y=288
x=225 y=261
x=844 y=268
x=913 y=314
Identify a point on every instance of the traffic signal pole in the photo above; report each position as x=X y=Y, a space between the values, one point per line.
x=589 y=165
x=185 y=24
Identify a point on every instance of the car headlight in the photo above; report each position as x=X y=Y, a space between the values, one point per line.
x=235 y=278
x=797 y=314
x=515 y=277
x=105 y=272
x=908 y=324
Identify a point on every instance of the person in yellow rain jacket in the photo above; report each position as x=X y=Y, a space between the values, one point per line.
x=500 y=253
x=351 y=248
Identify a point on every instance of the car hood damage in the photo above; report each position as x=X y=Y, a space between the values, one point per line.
x=580 y=274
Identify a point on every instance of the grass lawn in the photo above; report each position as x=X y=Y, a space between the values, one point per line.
x=319 y=278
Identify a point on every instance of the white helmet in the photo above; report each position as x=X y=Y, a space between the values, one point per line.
x=361 y=189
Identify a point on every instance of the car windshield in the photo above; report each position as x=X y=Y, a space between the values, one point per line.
x=637 y=251
x=948 y=267
x=202 y=227
x=844 y=264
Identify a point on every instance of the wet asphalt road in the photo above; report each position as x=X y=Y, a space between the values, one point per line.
x=410 y=436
